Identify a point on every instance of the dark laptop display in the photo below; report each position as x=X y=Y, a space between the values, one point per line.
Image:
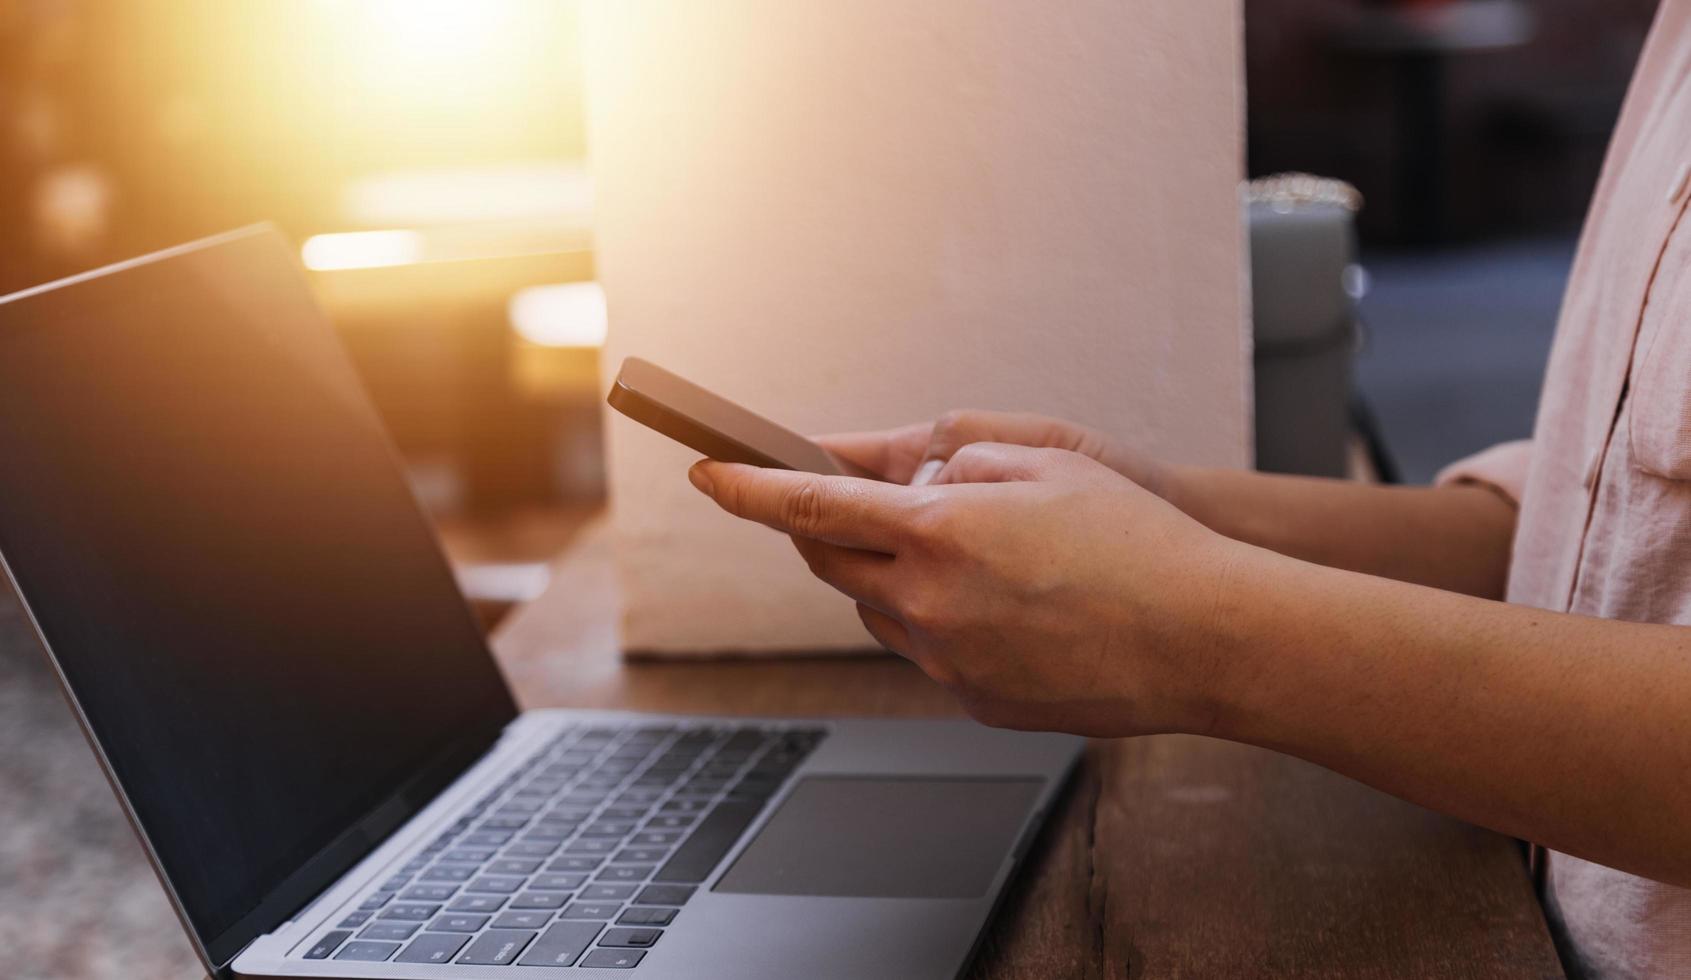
x=205 y=517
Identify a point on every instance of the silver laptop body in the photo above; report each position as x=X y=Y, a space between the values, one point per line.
x=266 y=649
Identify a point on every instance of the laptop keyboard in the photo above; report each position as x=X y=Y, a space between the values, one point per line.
x=581 y=856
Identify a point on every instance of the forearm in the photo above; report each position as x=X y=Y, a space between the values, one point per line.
x=1454 y=538
x=1568 y=731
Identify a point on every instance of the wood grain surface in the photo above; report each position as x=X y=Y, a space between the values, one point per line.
x=1170 y=856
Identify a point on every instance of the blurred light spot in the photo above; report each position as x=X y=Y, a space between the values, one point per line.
x=422 y=32
x=503 y=582
x=70 y=207
x=362 y=249
x=519 y=192
x=564 y=315
x=1356 y=281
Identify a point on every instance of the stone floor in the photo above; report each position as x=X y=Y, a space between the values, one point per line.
x=78 y=901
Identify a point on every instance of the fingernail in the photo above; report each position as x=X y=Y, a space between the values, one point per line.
x=926 y=472
x=700 y=478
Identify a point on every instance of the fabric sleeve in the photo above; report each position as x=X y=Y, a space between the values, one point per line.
x=1501 y=469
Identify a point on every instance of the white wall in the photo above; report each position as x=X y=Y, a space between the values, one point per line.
x=860 y=214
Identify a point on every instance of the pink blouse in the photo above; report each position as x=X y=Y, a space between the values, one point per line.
x=1604 y=486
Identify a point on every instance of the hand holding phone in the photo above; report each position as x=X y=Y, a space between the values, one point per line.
x=715 y=426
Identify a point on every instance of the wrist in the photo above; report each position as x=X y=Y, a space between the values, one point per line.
x=1224 y=636
x=1174 y=482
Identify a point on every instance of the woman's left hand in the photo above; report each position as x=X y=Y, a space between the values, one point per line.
x=1043 y=588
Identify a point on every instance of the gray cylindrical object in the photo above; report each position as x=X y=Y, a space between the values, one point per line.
x=1305 y=330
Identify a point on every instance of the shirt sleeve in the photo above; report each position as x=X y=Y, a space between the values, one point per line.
x=1501 y=469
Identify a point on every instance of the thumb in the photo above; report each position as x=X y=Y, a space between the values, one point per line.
x=995 y=462
x=955 y=430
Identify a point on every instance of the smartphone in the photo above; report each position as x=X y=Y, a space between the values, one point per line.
x=715 y=426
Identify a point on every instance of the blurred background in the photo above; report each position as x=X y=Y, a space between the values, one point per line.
x=428 y=158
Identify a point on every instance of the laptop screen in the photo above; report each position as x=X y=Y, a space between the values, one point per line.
x=210 y=528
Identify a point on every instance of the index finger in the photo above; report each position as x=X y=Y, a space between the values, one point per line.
x=843 y=510
x=892 y=453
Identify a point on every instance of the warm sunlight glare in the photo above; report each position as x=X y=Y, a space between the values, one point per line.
x=563 y=315
x=362 y=249
x=421 y=34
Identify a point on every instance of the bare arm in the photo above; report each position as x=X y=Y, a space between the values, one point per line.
x=1049 y=593
x=1454 y=538
x=1565 y=730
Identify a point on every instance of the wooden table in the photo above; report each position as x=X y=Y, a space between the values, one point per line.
x=1171 y=856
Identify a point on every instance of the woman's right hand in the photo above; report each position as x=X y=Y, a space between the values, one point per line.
x=914 y=454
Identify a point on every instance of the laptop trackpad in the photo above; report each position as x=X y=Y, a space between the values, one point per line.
x=885 y=837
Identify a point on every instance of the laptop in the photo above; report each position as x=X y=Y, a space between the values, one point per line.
x=259 y=634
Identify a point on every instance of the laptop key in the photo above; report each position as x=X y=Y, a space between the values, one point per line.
x=389 y=930
x=522 y=920
x=589 y=910
x=647 y=916
x=427 y=893
x=433 y=947
x=540 y=900
x=477 y=903
x=625 y=872
x=557 y=883
x=512 y=866
x=639 y=938
x=354 y=920
x=562 y=944
x=448 y=872
x=574 y=862
x=375 y=901
x=409 y=912
x=458 y=922
x=602 y=845
x=468 y=855
x=496 y=947
x=670 y=821
x=640 y=855
x=489 y=838
x=751 y=790
x=327 y=944
x=502 y=884
x=655 y=837
x=708 y=842
x=606 y=893
x=368 y=951
x=614 y=959
x=664 y=895
x=745 y=738
x=534 y=848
